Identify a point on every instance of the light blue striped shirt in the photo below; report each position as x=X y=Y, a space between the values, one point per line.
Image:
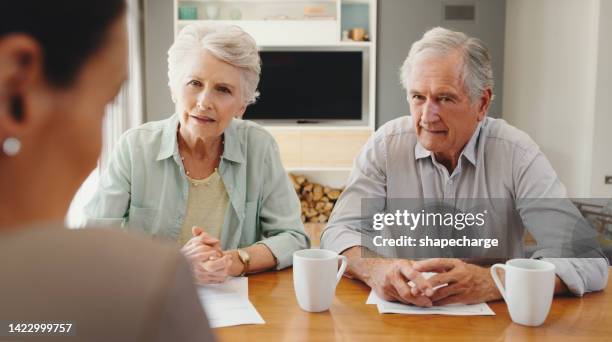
x=498 y=163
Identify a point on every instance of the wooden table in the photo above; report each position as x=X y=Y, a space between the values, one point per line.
x=350 y=319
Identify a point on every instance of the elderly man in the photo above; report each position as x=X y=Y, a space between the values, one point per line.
x=449 y=148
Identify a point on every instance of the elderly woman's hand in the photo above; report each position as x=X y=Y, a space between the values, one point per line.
x=201 y=242
x=215 y=270
x=208 y=263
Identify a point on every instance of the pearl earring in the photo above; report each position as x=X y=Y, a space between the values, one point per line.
x=11 y=146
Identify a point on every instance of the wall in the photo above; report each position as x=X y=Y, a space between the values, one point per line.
x=602 y=126
x=550 y=81
x=159 y=35
x=402 y=22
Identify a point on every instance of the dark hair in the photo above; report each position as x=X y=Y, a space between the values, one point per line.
x=69 y=31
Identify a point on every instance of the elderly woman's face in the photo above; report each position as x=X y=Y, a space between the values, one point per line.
x=209 y=96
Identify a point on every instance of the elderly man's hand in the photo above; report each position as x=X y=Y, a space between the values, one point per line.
x=467 y=283
x=390 y=279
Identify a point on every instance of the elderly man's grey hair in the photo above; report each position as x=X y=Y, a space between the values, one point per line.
x=228 y=43
x=477 y=72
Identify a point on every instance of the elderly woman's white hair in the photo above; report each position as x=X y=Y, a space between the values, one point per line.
x=477 y=72
x=228 y=43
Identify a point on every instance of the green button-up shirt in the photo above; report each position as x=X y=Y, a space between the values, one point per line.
x=145 y=188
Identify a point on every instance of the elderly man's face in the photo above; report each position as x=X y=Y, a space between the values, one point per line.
x=443 y=115
x=209 y=96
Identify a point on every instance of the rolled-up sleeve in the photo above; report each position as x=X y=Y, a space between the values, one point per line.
x=581 y=275
x=110 y=202
x=366 y=181
x=563 y=236
x=279 y=217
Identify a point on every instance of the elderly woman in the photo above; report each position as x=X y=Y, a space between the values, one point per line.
x=204 y=178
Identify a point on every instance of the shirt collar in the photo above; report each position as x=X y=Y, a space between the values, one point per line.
x=420 y=152
x=231 y=149
x=168 y=143
x=469 y=151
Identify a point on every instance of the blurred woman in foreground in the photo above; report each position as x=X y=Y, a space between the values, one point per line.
x=61 y=61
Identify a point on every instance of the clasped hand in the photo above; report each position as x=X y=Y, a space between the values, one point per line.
x=209 y=264
x=455 y=282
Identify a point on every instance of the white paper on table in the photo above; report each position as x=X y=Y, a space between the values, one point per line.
x=228 y=304
x=384 y=306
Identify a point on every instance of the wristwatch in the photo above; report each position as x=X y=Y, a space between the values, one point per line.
x=245 y=259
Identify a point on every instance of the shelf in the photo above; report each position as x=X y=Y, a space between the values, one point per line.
x=258 y=10
x=284 y=22
x=266 y=32
x=355 y=43
x=273 y=1
x=229 y=21
x=318 y=169
x=316 y=127
x=337 y=44
x=256 y=22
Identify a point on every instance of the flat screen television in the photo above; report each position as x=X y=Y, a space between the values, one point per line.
x=311 y=86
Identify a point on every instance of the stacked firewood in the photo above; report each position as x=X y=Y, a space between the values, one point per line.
x=317 y=201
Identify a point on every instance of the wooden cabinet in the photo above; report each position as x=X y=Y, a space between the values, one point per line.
x=332 y=149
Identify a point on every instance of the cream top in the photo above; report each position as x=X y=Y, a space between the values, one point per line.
x=206 y=205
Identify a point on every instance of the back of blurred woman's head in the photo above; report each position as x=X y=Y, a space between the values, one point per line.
x=61 y=62
x=68 y=31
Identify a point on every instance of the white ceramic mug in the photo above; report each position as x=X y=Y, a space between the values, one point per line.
x=315 y=276
x=528 y=291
